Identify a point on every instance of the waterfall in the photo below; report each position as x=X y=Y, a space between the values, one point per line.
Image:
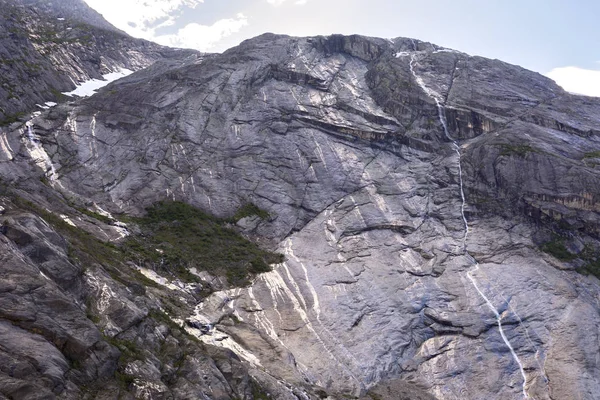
x=442 y=117
x=39 y=155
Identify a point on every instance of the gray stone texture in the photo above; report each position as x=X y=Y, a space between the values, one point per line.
x=337 y=139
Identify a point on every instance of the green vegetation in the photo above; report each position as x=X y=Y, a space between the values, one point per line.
x=12 y=95
x=557 y=248
x=57 y=94
x=163 y=318
x=125 y=380
x=178 y=363
x=95 y=318
x=9 y=119
x=592 y=154
x=518 y=150
x=95 y=215
x=177 y=237
x=248 y=210
x=129 y=350
x=591 y=257
x=47 y=35
x=83 y=247
x=591 y=267
x=258 y=392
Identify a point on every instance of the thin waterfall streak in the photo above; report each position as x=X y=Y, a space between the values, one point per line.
x=502 y=334
x=39 y=155
x=442 y=117
x=527 y=335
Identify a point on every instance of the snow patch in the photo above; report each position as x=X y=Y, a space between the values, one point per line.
x=47 y=105
x=90 y=87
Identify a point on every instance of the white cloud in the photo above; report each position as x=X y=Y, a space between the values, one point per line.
x=140 y=18
x=577 y=80
x=203 y=37
x=143 y=18
x=280 y=2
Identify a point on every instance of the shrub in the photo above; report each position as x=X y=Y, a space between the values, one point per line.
x=177 y=237
x=248 y=210
x=557 y=249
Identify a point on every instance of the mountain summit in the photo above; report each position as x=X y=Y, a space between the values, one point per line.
x=297 y=218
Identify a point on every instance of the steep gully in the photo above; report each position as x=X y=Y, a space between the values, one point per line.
x=39 y=155
x=441 y=115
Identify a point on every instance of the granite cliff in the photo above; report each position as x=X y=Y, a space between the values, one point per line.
x=49 y=47
x=430 y=217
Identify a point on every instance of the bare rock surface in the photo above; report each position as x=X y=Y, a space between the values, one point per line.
x=410 y=187
x=47 y=48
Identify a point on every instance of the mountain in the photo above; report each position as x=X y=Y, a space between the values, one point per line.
x=341 y=216
x=48 y=47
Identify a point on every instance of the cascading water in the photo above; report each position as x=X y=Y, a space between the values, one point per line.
x=442 y=117
x=39 y=155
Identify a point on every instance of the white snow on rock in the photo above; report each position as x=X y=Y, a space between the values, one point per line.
x=46 y=105
x=90 y=87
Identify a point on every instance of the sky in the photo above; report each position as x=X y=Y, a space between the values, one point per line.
x=558 y=38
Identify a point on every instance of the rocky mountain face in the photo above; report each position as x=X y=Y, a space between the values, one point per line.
x=437 y=214
x=48 y=47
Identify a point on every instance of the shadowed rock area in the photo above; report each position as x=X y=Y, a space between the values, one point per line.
x=438 y=214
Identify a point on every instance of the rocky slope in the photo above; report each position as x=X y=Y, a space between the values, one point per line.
x=48 y=47
x=436 y=212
